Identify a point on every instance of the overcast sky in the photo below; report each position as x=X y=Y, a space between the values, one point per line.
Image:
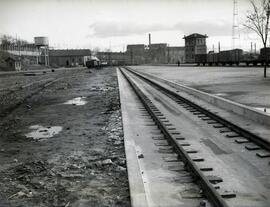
x=115 y=23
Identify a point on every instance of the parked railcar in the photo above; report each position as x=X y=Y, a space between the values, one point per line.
x=201 y=59
x=251 y=59
x=230 y=57
x=212 y=58
x=265 y=54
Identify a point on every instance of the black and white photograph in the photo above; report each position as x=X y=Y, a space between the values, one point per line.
x=134 y=103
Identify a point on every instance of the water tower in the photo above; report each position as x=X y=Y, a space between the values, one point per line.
x=42 y=44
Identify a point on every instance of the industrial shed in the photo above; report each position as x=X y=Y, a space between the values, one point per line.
x=69 y=58
x=14 y=63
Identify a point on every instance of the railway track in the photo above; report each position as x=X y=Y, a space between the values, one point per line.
x=256 y=147
x=16 y=95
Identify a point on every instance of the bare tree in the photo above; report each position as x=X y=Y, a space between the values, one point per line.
x=257 y=20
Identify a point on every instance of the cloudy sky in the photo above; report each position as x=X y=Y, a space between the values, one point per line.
x=112 y=24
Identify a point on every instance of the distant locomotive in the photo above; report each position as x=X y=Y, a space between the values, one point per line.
x=92 y=62
x=233 y=57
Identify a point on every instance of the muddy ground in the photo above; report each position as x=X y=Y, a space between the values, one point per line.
x=59 y=153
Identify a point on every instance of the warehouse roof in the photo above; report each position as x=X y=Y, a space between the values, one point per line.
x=79 y=52
x=195 y=35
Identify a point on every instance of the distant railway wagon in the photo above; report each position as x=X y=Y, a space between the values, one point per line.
x=230 y=57
x=265 y=53
x=212 y=58
x=92 y=63
x=201 y=59
x=233 y=57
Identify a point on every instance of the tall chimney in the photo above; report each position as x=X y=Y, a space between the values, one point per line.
x=149 y=38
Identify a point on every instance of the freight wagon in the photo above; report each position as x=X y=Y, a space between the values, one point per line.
x=233 y=57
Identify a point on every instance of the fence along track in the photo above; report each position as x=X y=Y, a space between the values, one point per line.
x=234 y=128
x=209 y=191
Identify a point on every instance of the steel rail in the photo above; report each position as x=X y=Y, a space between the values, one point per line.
x=209 y=191
x=242 y=132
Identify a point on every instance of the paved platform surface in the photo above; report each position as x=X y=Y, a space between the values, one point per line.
x=244 y=85
x=152 y=180
x=223 y=154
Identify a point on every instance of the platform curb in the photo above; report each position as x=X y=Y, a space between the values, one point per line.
x=136 y=186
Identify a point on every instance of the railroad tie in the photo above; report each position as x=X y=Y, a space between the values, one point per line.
x=171 y=159
x=214 y=179
x=228 y=194
x=252 y=147
x=197 y=113
x=175 y=133
x=242 y=141
x=184 y=144
x=232 y=135
x=162 y=144
x=206 y=169
x=158 y=138
x=198 y=159
x=191 y=151
x=219 y=126
x=212 y=122
x=179 y=138
x=206 y=118
x=263 y=154
x=225 y=130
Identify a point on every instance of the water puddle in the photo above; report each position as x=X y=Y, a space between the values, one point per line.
x=79 y=101
x=40 y=133
x=102 y=88
x=266 y=110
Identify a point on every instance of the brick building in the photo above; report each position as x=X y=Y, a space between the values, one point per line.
x=112 y=58
x=194 y=44
x=157 y=53
x=69 y=58
x=136 y=54
x=175 y=54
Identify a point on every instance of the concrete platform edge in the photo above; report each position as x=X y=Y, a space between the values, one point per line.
x=136 y=186
x=226 y=104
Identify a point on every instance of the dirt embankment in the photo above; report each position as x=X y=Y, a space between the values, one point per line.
x=81 y=164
